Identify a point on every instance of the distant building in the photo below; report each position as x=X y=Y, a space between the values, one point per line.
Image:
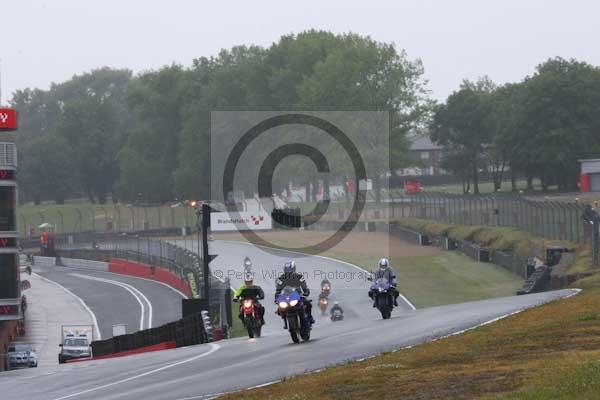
x=430 y=156
x=590 y=175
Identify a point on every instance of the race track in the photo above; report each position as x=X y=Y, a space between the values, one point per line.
x=118 y=299
x=204 y=371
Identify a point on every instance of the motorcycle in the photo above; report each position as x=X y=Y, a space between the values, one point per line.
x=323 y=302
x=337 y=315
x=250 y=311
x=381 y=291
x=291 y=306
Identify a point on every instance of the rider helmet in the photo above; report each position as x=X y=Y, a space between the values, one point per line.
x=335 y=303
x=247 y=264
x=384 y=263
x=289 y=267
x=248 y=279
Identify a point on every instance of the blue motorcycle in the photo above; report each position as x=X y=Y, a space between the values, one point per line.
x=382 y=295
x=291 y=306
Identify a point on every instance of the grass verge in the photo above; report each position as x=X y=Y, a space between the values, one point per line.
x=517 y=241
x=550 y=352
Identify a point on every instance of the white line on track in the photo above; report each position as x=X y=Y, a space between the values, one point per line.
x=179 y=292
x=213 y=347
x=460 y=332
x=216 y=395
x=94 y=320
x=134 y=292
x=411 y=305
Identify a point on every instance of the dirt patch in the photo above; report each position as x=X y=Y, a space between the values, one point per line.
x=371 y=244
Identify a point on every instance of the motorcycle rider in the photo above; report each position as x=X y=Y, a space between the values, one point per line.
x=325 y=286
x=336 y=307
x=293 y=279
x=248 y=290
x=387 y=272
x=247 y=265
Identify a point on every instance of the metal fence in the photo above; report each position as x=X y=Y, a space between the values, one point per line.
x=103 y=218
x=545 y=218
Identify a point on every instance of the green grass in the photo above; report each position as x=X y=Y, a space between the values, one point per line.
x=576 y=383
x=452 y=278
x=550 y=352
x=484 y=187
x=447 y=278
x=510 y=239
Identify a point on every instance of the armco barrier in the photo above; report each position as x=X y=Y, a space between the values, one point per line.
x=84 y=264
x=185 y=332
x=147 y=349
x=44 y=261
x=406 y=234
x=125 y=267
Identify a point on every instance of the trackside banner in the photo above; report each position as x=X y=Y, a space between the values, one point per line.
x=8 y=119
x=240 y=221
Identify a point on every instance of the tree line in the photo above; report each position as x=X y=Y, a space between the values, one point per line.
x=112 y=134
x=537 y=128
x=146 y=137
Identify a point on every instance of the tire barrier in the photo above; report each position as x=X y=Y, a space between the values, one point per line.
x=516 y=265
x=187 y=331
x=473 y=250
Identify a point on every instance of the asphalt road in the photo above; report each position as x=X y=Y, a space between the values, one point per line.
x=349 y=285
x=118 y=299
x=204 y=371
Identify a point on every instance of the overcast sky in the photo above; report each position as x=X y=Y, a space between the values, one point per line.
x=44 y=41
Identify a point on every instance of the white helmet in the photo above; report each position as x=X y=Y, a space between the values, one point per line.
x=336 y=302
x=384 y=263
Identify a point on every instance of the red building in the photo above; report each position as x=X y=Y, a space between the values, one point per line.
x=590 y=175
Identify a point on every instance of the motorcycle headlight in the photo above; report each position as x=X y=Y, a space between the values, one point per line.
x=283 y=304
x=247 y=303
x=381 y=289
x=293 y=303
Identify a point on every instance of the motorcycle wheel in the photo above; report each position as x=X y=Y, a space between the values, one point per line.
x=386 y=313
x=293 y=328
x=249 y=324
x=305 y=335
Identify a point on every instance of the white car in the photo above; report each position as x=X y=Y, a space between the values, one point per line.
x=21 y=355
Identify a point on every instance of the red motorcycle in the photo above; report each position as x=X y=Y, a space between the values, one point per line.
x=249 y=309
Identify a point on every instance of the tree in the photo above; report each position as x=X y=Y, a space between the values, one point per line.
x=560 y=120
x=461 y=124
x=46 y=170
x=365 y=75
x=155 y=99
